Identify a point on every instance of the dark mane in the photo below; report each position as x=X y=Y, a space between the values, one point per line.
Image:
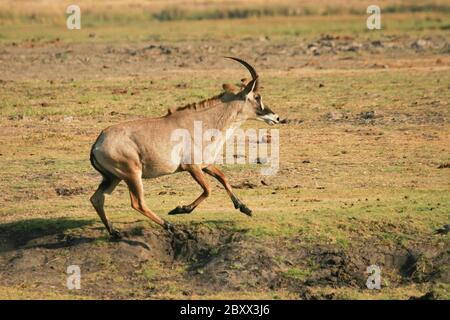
x=198 y=105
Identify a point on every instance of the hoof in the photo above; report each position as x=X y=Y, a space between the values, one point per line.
x=180 y=210
x=168 y=226
x=115 y=235
x=244 y=209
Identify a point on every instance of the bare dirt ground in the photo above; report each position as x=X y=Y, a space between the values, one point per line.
x=211 y=260
x=58 y=60
x=363 y=173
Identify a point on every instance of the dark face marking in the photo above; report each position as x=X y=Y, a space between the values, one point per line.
x=262 y=112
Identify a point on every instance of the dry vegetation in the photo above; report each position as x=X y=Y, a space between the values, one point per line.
x=363 y=176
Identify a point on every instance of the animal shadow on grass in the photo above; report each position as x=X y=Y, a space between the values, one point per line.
x=45 y=233
x=51 y=234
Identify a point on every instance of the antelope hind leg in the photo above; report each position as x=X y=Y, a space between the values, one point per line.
x=198 y=176
x=98 y=201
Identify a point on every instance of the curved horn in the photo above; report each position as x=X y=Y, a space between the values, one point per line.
x=249 y=68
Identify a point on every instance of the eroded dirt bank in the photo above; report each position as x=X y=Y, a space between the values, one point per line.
x=152 y=263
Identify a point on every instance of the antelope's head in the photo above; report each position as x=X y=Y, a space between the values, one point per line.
x=253 y=107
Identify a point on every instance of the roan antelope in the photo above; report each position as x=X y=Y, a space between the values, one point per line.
x=143 y=148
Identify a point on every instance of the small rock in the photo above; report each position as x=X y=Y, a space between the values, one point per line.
x=377 y=43
x=245 y=185
x=120 y=91
x=334 y=116
x=421 y=44
x=444 y=230
x=367 y=115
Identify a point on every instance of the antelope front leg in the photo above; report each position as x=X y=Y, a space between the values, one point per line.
x=238 y=204
x=198 y=176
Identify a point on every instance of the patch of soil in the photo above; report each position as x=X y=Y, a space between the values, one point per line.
x=291 y=121
x=37 y=253
x=245 y=185
x=66 y=191
x=237 y=265
x=381 y=118
x=137 y=58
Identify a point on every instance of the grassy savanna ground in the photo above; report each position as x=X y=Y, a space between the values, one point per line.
x=346 y=180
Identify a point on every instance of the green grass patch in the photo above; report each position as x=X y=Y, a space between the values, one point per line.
x=297 y=273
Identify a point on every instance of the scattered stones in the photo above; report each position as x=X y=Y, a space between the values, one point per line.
x=245 y=185
x=17 y=117
x=377 y=43
x=66 y=192
x=336 y=115
x=353 y=47
x=366 y=115
x=291 y=121
x=421 y=44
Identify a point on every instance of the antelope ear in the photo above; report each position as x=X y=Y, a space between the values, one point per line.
x=250 y=87
x=230 y=88
x=244 y=82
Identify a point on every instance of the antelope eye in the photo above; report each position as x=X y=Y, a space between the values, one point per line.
x=257 y=98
